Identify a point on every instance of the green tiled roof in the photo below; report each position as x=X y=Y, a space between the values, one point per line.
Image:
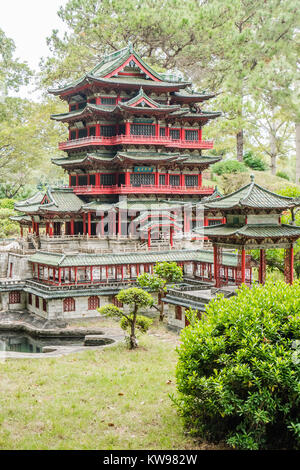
x=251 y=231
x=61 y=200
x=252 y=196
x=110 y=63
x=67 y=260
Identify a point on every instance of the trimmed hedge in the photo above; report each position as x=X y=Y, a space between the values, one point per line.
x=238 y=374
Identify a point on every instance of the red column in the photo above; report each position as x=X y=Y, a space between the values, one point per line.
x=89 y=224
x=243 y=265
x=171 y=236
x=200 y=180
x=76 y=180
x=127 y=128
x=97 y=130
x=91 y=273
x=21 y=230
x=59 y=275
x=127 y=178
x=200 y=134
x=156 y=176
x=289 y=265
x=97 y=179
x=149 y=237
x=72 y=226
x=167 y=179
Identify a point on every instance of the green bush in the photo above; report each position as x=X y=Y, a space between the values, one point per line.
x=254 y=162
x=238 y=374
x=282 y=174
x=142 y=323
x=228 y=166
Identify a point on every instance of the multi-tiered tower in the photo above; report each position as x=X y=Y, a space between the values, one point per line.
x=135 y=143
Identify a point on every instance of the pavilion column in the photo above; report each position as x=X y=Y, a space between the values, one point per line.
x=120 y=222
x=72 y=226
x=156 y=176
x=149 y=238
x=243 y=266
x=289 y=265
x=127 y=128
x=171 y=236
x=89 y=224
x=217 y=265
x=262 y=267
x=21 y=231
x=200 y=180
x=127 y=178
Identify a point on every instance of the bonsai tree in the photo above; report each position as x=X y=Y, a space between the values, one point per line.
x=136 y=298
x=163 y=273
x=238 y=372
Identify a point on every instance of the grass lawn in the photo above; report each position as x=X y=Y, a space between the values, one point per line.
x=108 y=399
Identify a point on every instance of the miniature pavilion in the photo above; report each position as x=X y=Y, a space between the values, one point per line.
x=252 y=222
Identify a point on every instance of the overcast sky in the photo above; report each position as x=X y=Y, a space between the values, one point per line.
x=28 y=23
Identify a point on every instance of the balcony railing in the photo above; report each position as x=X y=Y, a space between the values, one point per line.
x=136 y=139
x=143 y=189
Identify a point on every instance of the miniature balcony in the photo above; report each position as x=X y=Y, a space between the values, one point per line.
x=143 y=189
x=136 y=140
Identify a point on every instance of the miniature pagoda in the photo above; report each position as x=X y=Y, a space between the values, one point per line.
x=252 y=222
x=134 y=153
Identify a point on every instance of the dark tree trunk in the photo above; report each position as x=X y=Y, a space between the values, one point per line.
x=240 y=145
x=133 y=344
x=161 y=307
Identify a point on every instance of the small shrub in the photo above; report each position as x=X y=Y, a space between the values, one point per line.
x=238 y=373
x=229 y=166
x=254 y=162
x=142 y=323
x=282 y=174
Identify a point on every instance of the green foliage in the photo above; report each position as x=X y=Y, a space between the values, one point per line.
x=151 y=281
x=110 y=310
x=7 y=203
x=254 y=162
x=282 y=174
x=142 y=323
x=289 y=191
x=135 y=297
x=238 y=371
x=229 y=166
x=169 y=272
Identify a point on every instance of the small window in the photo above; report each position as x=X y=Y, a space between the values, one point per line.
x=93 y=302
x=175 y=134
x=108 y=131
x=174 y=180
x=92 y=100
x=109 y=101
x=72 y=107
x=73 y=180
x=44 y=305
x=72 y=135
x=82 y=105
x=69 y=304
x=15 y=297
x=116 y=302
x=191 y=135
x=82 y=180
x=162 y=131
x=82 y=133
x=162 y=180
x=191 y=180
x=92 y=180
x=30 y=299
x=37 y=302
x=92 y=131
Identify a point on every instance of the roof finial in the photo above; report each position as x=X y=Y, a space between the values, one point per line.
x=252 y=177
x=130 y=47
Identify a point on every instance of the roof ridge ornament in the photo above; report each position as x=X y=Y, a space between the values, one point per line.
x=252 y=177
x=130 y=47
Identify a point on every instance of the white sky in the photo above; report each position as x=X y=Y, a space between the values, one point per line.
x=28 y=23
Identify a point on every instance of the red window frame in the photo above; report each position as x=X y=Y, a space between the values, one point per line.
x=14 y=297
x=69 y=304
x=93 y=302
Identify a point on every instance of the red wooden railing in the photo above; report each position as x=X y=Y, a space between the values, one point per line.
x=149 y=189
x=136 y=139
